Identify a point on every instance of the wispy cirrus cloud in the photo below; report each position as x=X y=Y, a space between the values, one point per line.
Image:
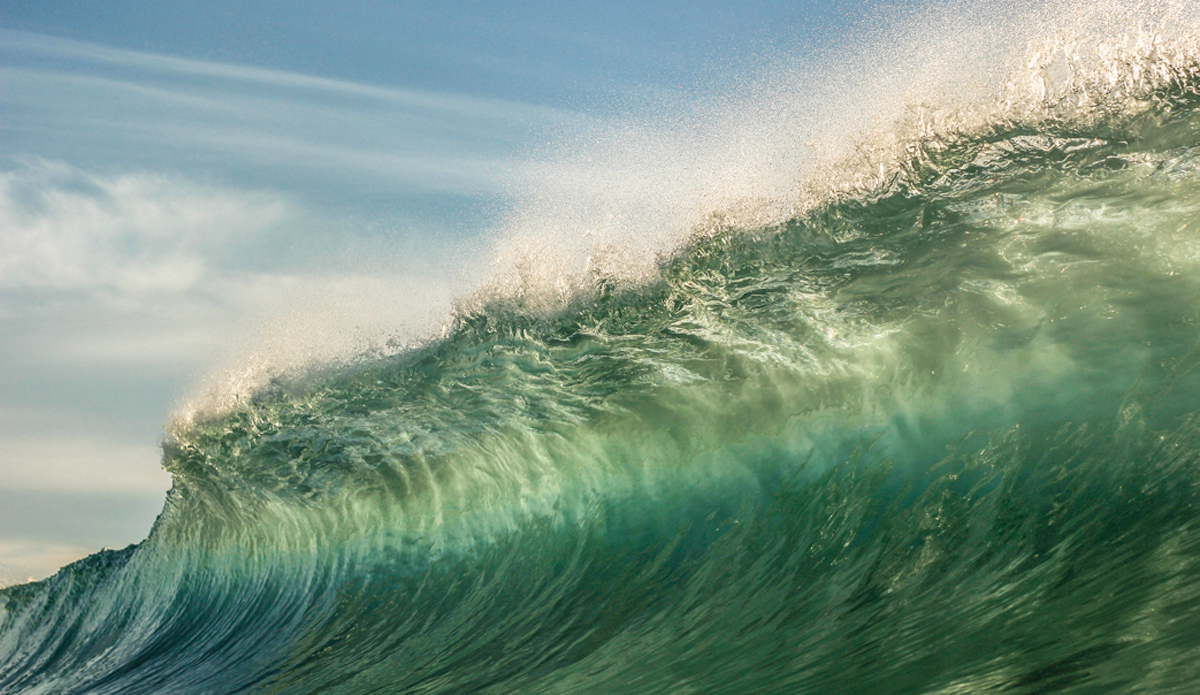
x=63 y=98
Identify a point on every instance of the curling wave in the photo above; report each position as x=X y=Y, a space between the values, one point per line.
x=928 y=426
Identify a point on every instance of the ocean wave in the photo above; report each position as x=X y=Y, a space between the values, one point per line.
x=922 y=422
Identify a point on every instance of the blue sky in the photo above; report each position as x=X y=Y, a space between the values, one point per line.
x=562 y=54
x=186 y=186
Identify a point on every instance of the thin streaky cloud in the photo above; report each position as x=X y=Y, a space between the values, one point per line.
x=162 y=112
x=19 y=42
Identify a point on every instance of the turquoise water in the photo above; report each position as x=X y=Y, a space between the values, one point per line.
x=934 y=434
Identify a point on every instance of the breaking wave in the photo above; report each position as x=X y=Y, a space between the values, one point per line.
x=921 y=420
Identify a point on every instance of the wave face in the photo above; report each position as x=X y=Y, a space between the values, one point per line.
x=936 y=434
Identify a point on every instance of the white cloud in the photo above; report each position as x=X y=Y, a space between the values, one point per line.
x=25 y=561
x=64 y=229
x=139 y=268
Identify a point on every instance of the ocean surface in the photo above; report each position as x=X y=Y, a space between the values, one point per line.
x=931 y=426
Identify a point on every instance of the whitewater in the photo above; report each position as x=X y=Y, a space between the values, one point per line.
x=911 y=409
